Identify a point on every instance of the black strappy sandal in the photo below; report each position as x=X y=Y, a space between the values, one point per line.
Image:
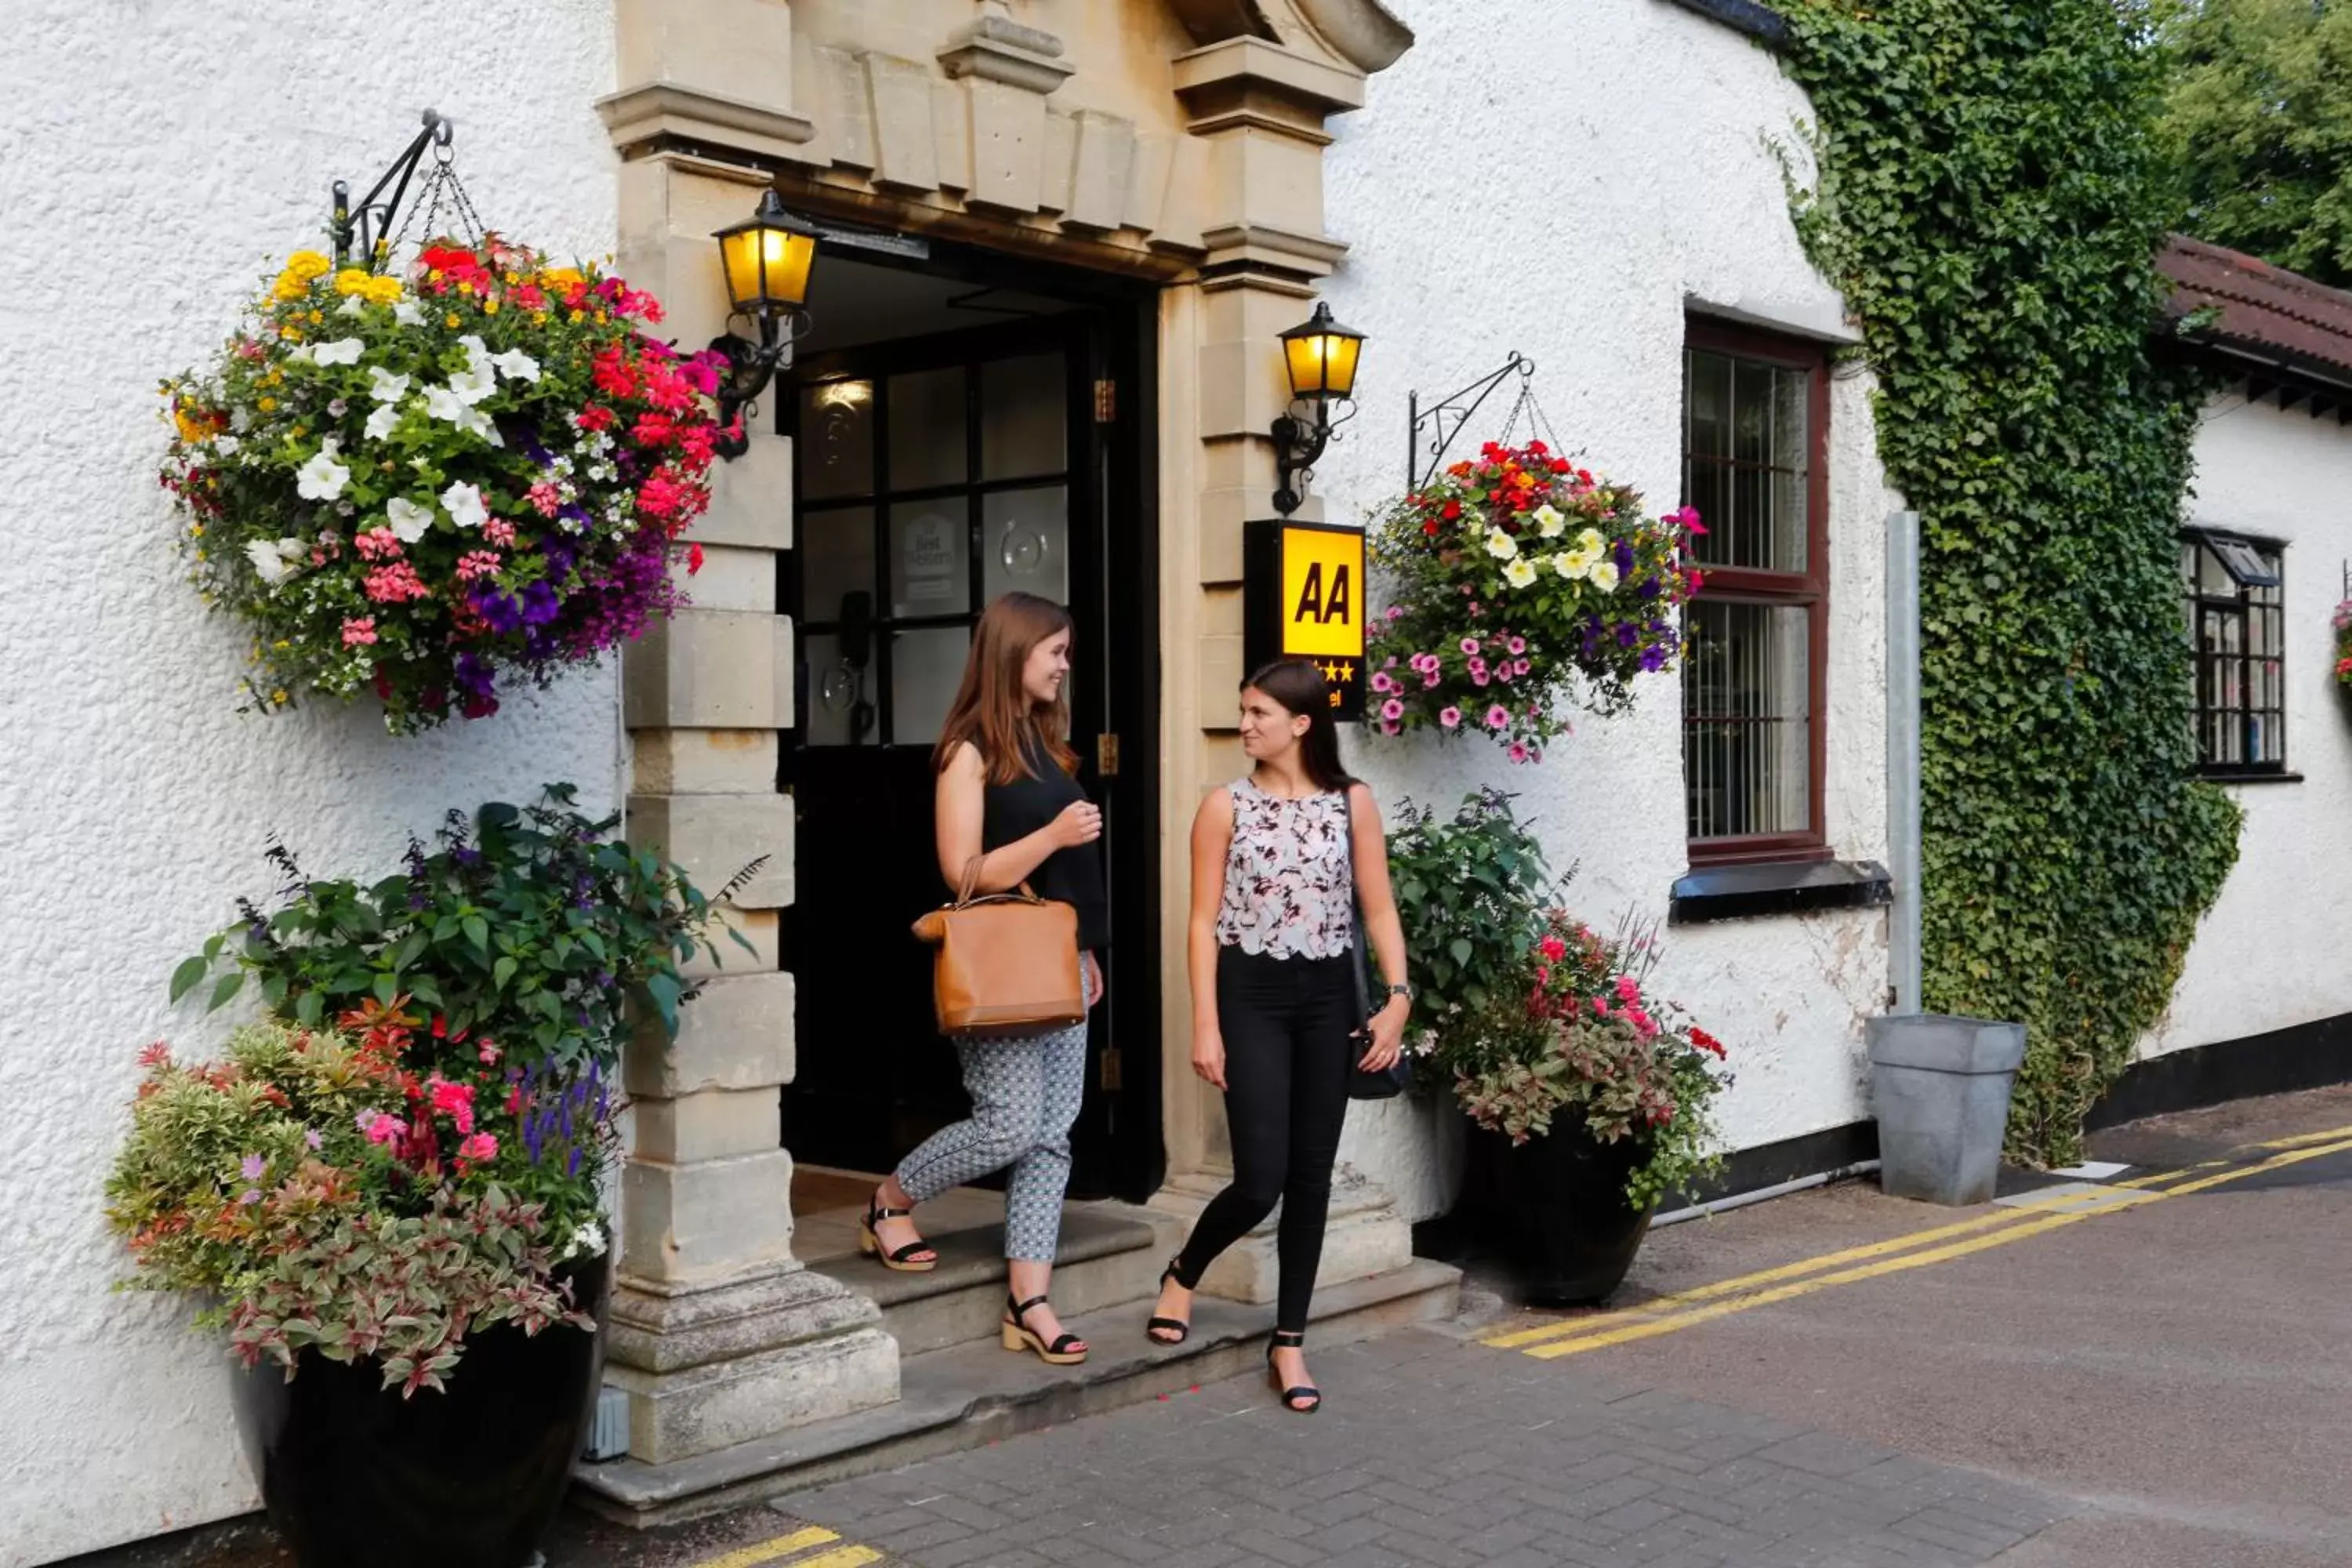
x=1067 y=1350
x=902 y=1259
x=1284 y=1339
x=1182 y=1328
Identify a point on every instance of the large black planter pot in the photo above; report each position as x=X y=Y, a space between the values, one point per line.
x=356 y=1476
x=1567 y=1227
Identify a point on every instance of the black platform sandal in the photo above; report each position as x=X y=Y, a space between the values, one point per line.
x=1067 y=1350
x=901 y=1260
x=1305 y=1399
x=1169 y=1330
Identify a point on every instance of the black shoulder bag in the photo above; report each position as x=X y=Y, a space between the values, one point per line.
x=1390 y=1081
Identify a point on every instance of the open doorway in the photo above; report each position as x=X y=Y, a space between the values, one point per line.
x=964 y=424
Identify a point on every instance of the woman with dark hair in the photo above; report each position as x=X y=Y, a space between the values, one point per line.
x=1279 y=859
x=1006 y=799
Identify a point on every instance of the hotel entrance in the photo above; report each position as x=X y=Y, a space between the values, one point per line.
x=964 y=426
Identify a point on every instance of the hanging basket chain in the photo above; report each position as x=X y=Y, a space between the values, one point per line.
x=442 y=190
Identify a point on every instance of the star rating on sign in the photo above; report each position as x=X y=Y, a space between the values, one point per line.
x=1338 y=673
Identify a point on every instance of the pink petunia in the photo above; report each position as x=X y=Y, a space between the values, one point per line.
x=1470 y=645
x=381 y=1130
x=1479 y=678
x=1498 y=716
x=1382 y=682
x=1519 y=667
x=1392 y=709
x=1519 y=752
x=1428 y=678
x=480 y=1146
x=1628 y=989
x=1450 y=717
x=1518 y=645
x=359 y=631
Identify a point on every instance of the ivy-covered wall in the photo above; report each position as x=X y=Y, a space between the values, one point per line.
x=1990 y=199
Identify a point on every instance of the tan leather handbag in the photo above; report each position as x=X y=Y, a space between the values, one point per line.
x=1007 y=964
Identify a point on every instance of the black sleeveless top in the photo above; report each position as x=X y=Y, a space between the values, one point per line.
x=1073 y=876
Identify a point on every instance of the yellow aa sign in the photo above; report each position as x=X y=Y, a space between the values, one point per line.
x=1323 y=591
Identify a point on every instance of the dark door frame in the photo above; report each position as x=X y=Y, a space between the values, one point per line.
x=1118 y=1144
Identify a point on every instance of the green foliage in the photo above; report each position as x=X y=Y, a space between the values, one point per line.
x=1991 y=197
x=528 y=924
x=1472 y=893
x=2257 y=120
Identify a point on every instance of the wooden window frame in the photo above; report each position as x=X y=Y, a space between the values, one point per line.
x=1808 y=589
x=2194 y=601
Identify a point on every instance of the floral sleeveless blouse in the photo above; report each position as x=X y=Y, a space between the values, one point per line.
x=1289 y=877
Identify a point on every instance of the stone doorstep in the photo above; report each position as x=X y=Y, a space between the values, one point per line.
x=972 y=1394
x=1111 y=1254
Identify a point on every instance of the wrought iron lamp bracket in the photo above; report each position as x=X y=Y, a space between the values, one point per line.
x=1301 y=436
x=751 y=364
x=368 y=224
x=1444 y=418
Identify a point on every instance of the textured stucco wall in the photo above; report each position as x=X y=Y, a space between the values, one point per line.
x=158 y=161
x=2288 y=477
x=1567 y=181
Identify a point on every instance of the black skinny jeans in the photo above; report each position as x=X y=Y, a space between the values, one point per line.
x=1287 y=1024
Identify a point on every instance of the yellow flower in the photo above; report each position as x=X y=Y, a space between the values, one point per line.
x=539 y=318
x=308 y=264
x=268 y=403
x=383 y=291
x=351 y=280
x=281 y=644
x=560 y=277
x=201 y=556
x=278 y=697
x=489 y=307
x=450 y=319
x=576 y=315
x=317 y=317
x=291 y=335
x=289 y=287
x=195 y=530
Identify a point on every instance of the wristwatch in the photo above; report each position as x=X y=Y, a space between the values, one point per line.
x=1403 y=991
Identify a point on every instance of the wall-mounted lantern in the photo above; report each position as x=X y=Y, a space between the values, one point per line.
x=766 y=260
x=1320 y=355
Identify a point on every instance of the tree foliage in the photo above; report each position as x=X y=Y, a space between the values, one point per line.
x=1990 y=197
x=2257 y=120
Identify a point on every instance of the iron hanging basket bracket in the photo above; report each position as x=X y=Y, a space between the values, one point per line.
x=366 y=226
x=1444 y=418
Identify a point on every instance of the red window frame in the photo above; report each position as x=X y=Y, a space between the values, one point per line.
x=1808 y=589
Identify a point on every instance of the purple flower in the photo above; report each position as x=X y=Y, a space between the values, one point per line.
x=1654 y=656
x=251 y=1196
x=1647 y=587
x=1627 y=634
x=311 y=1138
x=252 y=1167
x=571 y=1165
x=539 y=605
x=1624 y=554
x=473 y=674
x=499 y=610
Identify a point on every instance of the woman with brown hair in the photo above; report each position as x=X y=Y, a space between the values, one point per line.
x=1005 y=798
x=1282 y=859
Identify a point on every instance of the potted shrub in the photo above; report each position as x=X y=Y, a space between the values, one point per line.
x=1602 y=1094
x=389 y=1193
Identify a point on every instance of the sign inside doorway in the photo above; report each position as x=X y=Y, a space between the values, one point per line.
x=1303 y=597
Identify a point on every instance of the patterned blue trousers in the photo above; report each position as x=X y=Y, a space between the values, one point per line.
x=1024 y=1097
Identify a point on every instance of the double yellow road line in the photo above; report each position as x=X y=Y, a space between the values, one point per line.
x=784 y=1552
x=1939 y=1243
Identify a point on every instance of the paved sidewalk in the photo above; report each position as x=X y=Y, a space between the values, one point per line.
x=1431 y=1451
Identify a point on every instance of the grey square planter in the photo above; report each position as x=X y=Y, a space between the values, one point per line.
x=1940 y=1086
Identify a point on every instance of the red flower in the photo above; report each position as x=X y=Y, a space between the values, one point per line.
x=1705 y=1041
x=661 y=495
x=613 y=376
x=1452 y=510
x=597 y=417
x=156 y=1055
x=693 y=559
x=1430 y=529
x=653 y=430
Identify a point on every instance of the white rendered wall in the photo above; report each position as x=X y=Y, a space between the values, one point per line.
x=2271 y=953
x=160 y=161
x=1570 y=195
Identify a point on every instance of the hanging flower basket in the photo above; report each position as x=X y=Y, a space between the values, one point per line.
x=1517 y=581
x=414 y=485
x=2342 y=622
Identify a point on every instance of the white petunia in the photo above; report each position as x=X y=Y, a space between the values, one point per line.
x=478 y=380
x=1501 y=545
x=1572 y=563
x=1549 y=521
x=384 y=386
x=465 y=506
x=342 y=350
x=382 y=422
x=516 y=365
x=271 y=561
x=352 y=305
x=226 y=445
x=586 y=1240
x=1591 y=542
x=409 y=521
x=1604 y=575
x=323 y=478
x=407 y=314
x=1518 y=574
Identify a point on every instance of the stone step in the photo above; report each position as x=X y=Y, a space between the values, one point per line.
x=970 y=1394
x=1111 y=1254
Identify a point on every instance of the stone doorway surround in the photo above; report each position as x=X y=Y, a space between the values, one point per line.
x=1175 y=139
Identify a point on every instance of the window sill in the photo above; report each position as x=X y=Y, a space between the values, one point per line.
x=1777 y=888
x=1758 y=21
x=2223 y=777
